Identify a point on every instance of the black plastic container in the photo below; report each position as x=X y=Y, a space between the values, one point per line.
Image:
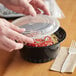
x=43 y=54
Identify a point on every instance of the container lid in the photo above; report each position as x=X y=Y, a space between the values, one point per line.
x=38 y=26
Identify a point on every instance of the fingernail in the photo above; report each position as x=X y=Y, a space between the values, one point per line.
x=19 y=46
x=33 y=14
x=49 y=14
x=31 y=40
x=23 y=29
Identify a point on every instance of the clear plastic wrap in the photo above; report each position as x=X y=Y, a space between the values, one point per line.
x=41 y=28
x=38 y=26
x=6 y=13
x=54 y=8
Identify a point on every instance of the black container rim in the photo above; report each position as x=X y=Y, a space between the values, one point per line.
x=53 y=44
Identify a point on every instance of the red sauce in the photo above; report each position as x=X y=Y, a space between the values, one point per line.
x=42 y=42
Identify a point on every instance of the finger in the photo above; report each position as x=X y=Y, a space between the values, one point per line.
x=16 y=9
x=38 y=11
x=24 y=7
x=16 y=28
x=13 y=27
x=28 y=8
x=17 y=36
x=9 y=45
x=40 y=4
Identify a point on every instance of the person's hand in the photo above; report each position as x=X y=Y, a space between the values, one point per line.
x=28 y=7
x=9 y=33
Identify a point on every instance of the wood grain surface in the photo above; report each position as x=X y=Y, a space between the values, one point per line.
x=19 y=67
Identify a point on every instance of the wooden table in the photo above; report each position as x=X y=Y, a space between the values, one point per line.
x=12 y=64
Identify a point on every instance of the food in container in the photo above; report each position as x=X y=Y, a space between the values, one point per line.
x=47 y=35
x=46 y=41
